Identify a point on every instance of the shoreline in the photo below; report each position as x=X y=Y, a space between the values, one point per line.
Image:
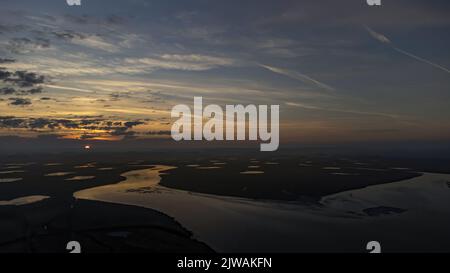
x=282 y=181
x=241 y=225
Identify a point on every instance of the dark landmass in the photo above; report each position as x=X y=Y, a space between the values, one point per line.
x=377 y=211
x=282 y=179
x=48 y=225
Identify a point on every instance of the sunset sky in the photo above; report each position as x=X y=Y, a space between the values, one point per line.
x=340 y=70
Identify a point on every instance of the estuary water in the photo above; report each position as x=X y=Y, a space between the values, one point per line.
x=394 y=214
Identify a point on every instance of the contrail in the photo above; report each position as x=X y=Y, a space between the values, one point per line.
x=378 y=36
x=297 y=76
x=355 y=112
x=68 y=88
x=385 y=40
x=422 y=59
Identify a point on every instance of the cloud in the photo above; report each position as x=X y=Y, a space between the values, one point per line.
x=68 y=35
x=12 y=91
x=68 y=88
x=24 y=78
x=11 y=28
x=7 y=91
x=108 y=20
x=298 y=76
x=6 y=61
x=84 y=64
x=422 y=60
x=20 y=102
x=177 y=62
x=381 y=38
x=195 y=58
x=27 y=45
x=32 y=91
x=159 y=133
x=131 y=124
x=119 y=95
x=122 y=131
x=302 y=105
x=347 y=111
x=84 y=126
x=4 y=74
x=378 y=36
x=95 y=42
x=115 y=20
x=10 y=122
x=82 y=19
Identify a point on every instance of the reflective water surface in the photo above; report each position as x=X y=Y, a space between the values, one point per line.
x=341 y=222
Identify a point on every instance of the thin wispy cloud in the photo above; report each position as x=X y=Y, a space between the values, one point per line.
x=383 y=39
x=378 y=36
x=422 y=59
x=60 y=87
x=189 y=62
x=298 y=76
x=96 y=42
x=346 y=111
